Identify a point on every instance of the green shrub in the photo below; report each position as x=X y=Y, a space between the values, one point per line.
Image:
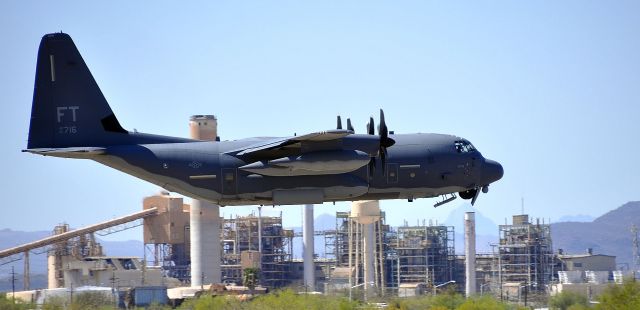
x=8 y=303
x=565 y=300
x=625 y=296
x=483 y=302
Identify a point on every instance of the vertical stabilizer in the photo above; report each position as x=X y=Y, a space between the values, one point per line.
x=68 y=107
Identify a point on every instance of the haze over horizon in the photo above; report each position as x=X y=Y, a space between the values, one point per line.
x=548 y=89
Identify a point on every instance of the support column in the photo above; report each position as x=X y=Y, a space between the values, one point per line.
x=307 y=248
x=368 y=258
x=366 y=214
x=27 y=279
x=205 y=243
x=470 y=253
x=204 y=218
x=52 y=280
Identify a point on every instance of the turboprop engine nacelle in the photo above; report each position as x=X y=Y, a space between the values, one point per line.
x=314 y=163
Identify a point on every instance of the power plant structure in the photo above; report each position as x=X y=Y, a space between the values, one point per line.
x=256 y=242
x=421 y=255
x=363 y=256
x=167 y=242
x=524 y=261
x=166 y=235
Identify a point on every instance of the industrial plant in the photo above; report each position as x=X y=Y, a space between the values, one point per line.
x=364 y=257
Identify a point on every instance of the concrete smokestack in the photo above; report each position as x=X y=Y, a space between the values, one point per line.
x=307 y=248
x=204 y=218
x=470 y=252
x=368 y=258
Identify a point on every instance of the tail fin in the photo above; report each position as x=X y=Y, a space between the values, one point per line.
x=68 y=108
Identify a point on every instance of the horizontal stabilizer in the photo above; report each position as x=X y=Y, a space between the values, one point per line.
x=68 y=152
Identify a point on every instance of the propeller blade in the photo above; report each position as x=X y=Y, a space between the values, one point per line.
x=349 y=127
x=339 y=123
x=371 y=126
x=382 y=130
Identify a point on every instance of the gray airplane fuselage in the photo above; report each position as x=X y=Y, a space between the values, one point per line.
x=417 y=166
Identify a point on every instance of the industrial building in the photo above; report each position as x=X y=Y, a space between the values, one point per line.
x=524 y=261
x=257 y=242
x=419 y=257
x=586 y=262
x=422 y=254
x=587 y=274
x=246 y=242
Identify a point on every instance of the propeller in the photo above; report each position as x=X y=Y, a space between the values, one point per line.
x=385 y=142
x=371 y=131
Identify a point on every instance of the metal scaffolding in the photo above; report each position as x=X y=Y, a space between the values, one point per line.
x=422 y=254
x=525 y=255
x=243 y=234
x=344 y=247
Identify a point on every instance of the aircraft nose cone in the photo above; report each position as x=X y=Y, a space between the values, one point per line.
x=493 y=171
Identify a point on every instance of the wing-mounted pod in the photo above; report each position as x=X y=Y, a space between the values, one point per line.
x=313 y=163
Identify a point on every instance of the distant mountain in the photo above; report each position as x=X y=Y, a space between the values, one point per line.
x=576 y=218
x=324 y=221
x=608 y=234
x=484 y=225
x=321 y=222
x=36 y=281
x=486 y=229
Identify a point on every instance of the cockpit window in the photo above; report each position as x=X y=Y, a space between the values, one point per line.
x=463 y=146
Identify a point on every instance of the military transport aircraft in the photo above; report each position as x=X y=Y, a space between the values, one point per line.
x=71 y=118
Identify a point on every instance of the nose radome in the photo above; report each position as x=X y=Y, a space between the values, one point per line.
x=493 y=171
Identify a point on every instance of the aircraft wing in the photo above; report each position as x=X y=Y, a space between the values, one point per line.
x=293 y=144
x=318 y=153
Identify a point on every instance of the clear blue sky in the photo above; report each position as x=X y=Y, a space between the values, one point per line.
x=551 y=89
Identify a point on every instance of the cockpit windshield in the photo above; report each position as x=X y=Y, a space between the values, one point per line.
x=464 y=146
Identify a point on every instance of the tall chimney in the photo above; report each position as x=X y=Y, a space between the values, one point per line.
x=470 y=253
x=307 y=248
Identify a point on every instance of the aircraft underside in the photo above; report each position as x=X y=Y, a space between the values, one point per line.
x=300 y=194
